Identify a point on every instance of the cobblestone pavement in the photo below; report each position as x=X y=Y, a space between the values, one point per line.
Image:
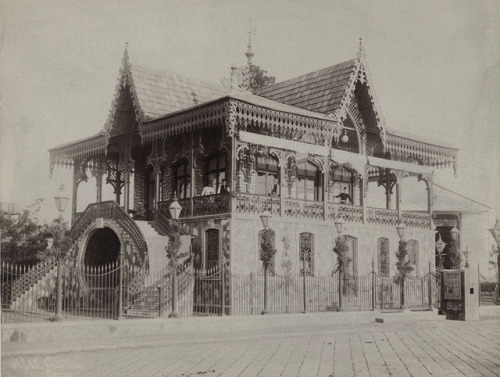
x=431 y=348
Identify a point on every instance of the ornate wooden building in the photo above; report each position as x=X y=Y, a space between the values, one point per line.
x=310 y=150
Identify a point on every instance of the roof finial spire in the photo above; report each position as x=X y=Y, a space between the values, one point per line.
x=361 y=50
x=250 y=54
x=125 y=58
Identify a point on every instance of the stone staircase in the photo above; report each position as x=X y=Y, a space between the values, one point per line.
x=155 y=299
x=156 y=246
x=36 y=283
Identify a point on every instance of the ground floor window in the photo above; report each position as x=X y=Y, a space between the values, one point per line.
x=306 y=253
x=383 y=257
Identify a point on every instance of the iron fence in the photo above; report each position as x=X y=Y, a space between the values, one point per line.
x=113 y=291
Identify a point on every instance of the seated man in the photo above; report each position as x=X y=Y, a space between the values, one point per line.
x=345 y=198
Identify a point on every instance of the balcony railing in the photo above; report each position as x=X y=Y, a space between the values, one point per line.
x=294 y=208
x=382 y=216
x=416 y=219
x=303 y=209
x=250 y=203
x=350 y=213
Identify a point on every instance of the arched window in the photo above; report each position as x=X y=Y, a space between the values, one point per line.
x=342 y=183
x=215 y=171
x=267 y=176
x=412 y=247
x=307 y=183
x=383 y=257
x=182 y=180
x=306 y=253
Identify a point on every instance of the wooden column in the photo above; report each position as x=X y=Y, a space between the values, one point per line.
x=74 y=193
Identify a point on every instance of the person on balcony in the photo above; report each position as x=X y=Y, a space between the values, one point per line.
x=224 y=188
x=345 y=198
x=207 y=190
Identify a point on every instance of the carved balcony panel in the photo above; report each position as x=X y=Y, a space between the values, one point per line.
x=250 y=203
x=381 y=216
x=416 y=219
x=350 y=213
x=210 y=204
x=303 y=209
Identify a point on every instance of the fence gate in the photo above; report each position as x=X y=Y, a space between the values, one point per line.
x=211 y=292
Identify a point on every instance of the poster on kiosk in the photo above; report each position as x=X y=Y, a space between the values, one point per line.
x=459 y=293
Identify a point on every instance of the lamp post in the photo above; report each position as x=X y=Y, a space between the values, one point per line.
x=455 y=258
x=401 y=228
x=339 y=226
x=439 y=247
x=265 y=257
x=61 y=202
x=495 y=232
x=175 y=210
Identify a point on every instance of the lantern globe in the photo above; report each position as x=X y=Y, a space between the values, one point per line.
x=454 y=233
x=401 y=230
x=175 y=209
x=339 y=225
x=266 y=215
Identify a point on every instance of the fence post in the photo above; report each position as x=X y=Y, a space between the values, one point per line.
x=58 y=316
x=159 y=301
x=422 y=291
x=479 y=283
x=429 y=288
x=120 y=287
x=374 y=286
x=304 y=281
x=341 y=306
x=223 y=290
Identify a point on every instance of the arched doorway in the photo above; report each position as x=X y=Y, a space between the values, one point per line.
x=103 y=247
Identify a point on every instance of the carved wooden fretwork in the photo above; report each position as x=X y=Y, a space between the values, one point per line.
x=114 y=176
x=408 y=150
x=361 y=75
x=66 y=155
x=125 y=79
x=359 y=124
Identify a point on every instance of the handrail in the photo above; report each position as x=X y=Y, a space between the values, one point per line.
x=110 y=210
x=31 y=277
x=160 y=222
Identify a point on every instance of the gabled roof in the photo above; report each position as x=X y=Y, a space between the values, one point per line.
x=320 y=91
x=157 y=92
x=446 y=200
x=162 y=92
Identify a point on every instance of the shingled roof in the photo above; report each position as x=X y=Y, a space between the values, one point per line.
x=163 y=92
x=320 y=91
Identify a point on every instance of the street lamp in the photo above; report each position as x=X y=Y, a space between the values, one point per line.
x=339 y=226
x=495 y=232
x=440 y=246
x=266 y=215
x=175 y=210
x=61 y=200
x=401 y=228
x=466 y=255
x=266 y=255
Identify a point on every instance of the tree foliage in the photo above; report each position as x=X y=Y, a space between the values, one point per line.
x=174 y=243
x=259 y=78
x=267 y=249
x=22 y=236
x=342 y=250
x=403 y=265
x=455 y=257
x=62 y=243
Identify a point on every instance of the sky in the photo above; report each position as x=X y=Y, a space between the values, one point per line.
x=434 y=67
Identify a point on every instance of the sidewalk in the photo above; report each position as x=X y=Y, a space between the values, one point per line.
x=50 y=338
